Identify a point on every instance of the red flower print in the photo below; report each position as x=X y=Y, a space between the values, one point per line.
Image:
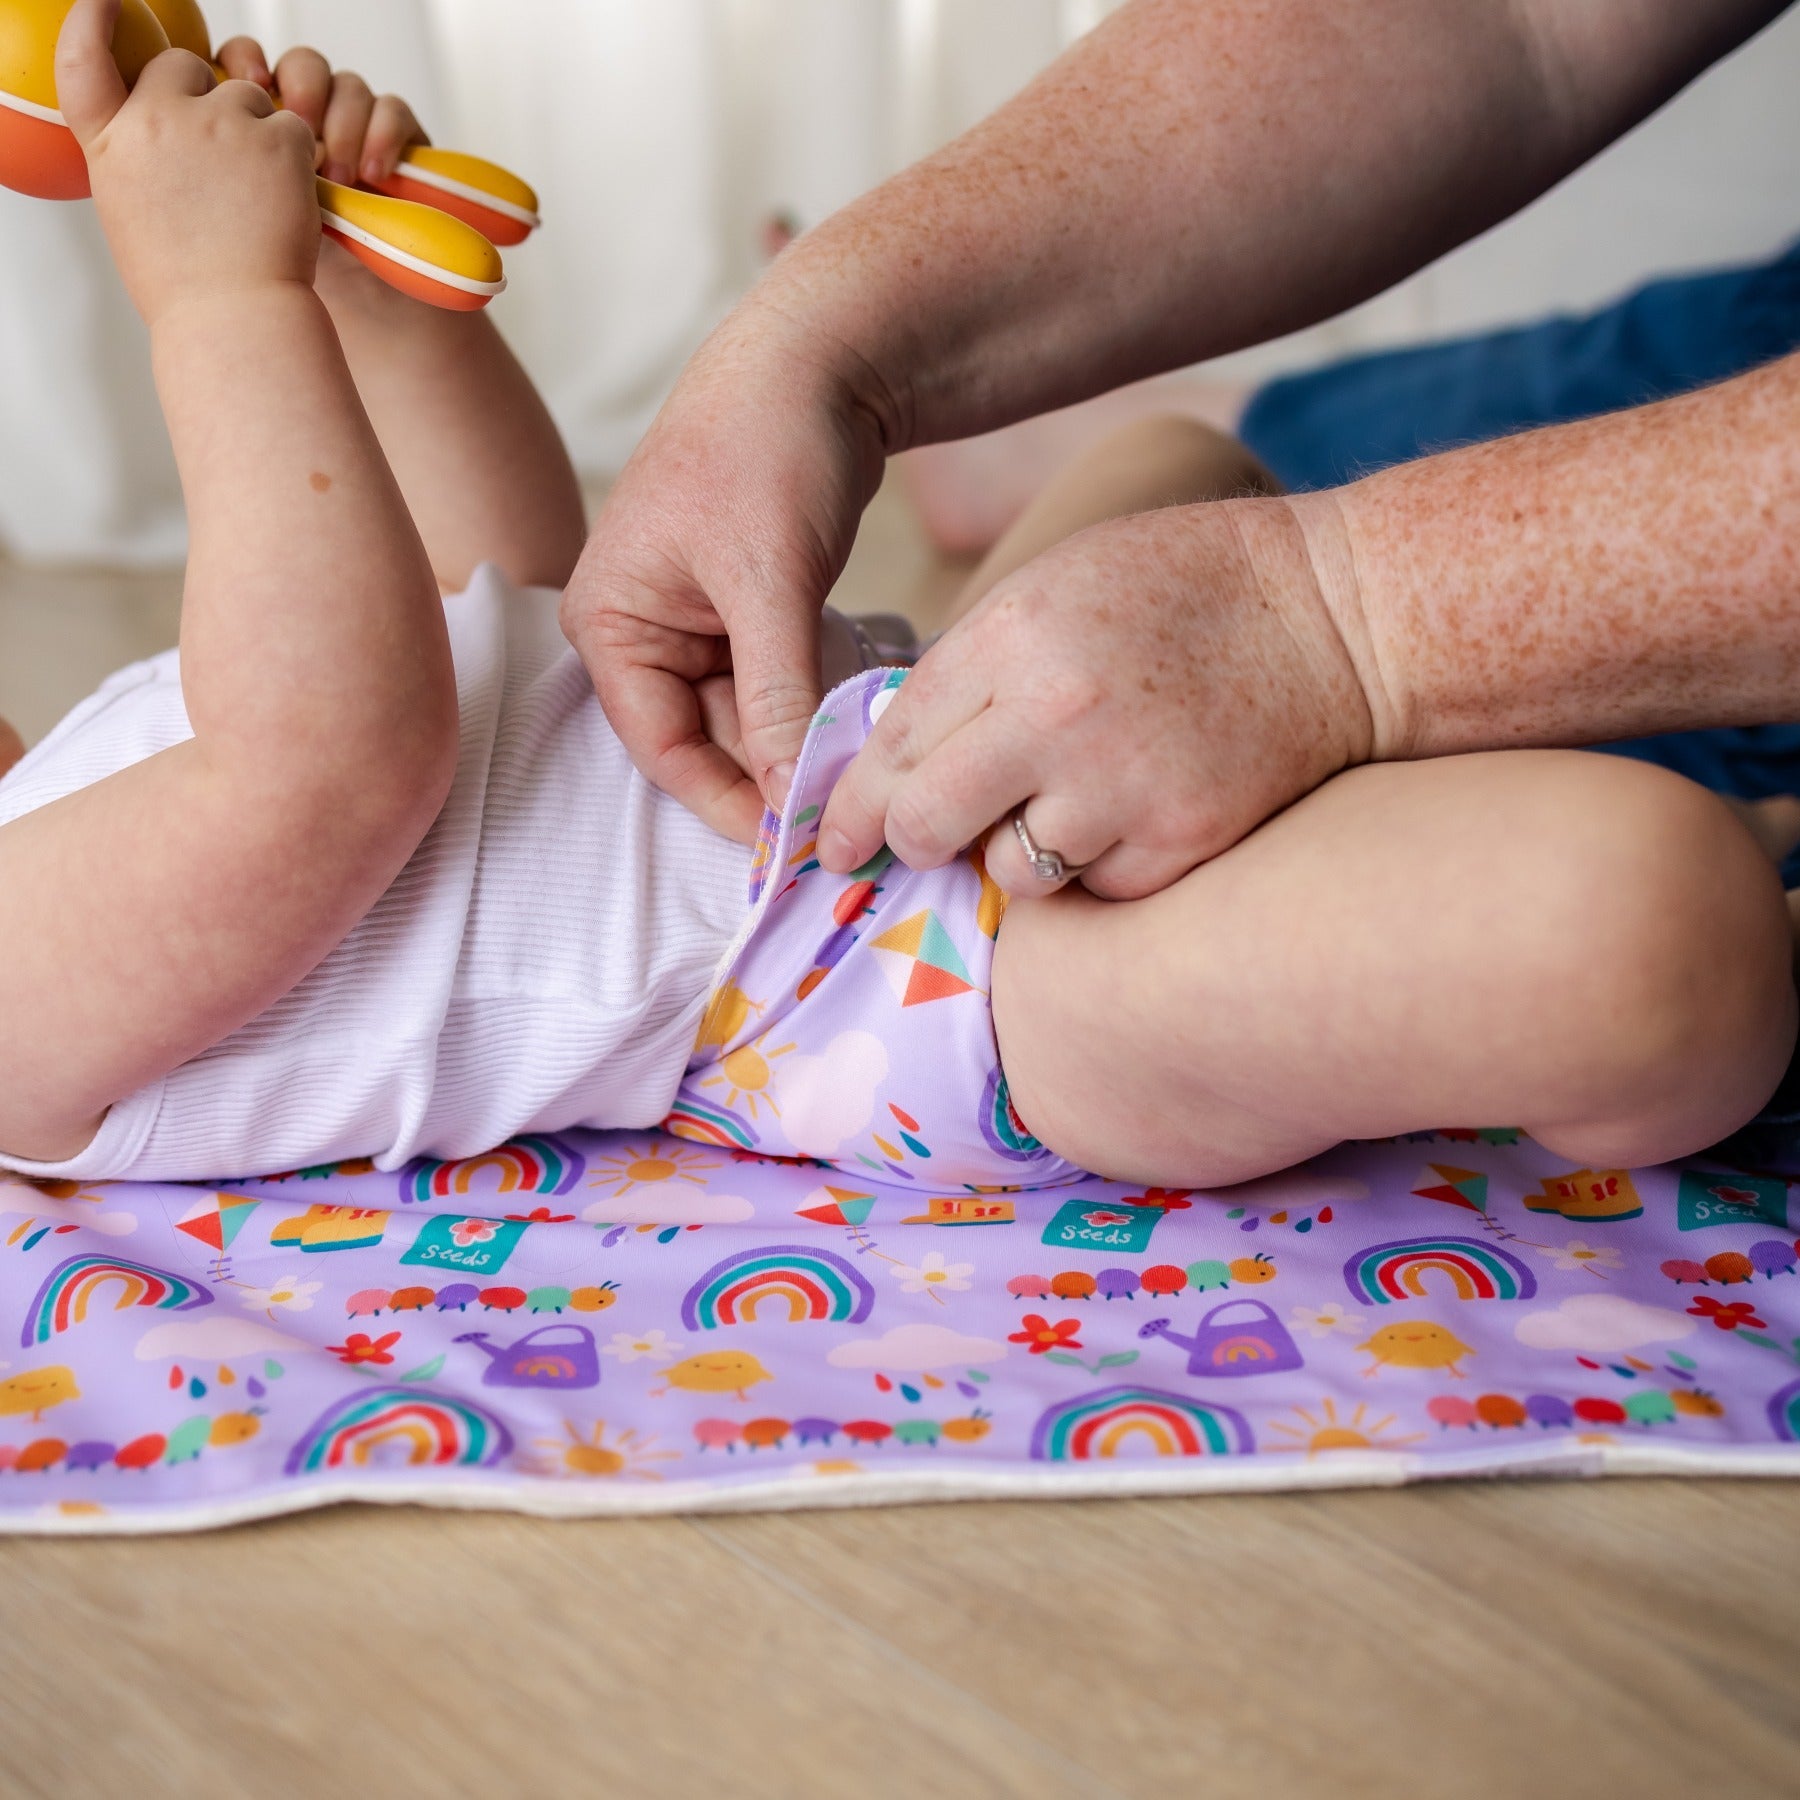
x=1040 y=1335
x=1733 y=1196
x=473 y=1231
x=1727 y=1315
x=1106 y=1216
x=540 y=1215
x=1168 y=1199
x=359 y=1347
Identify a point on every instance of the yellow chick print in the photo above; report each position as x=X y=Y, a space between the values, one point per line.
x=37 y=1390
x=715 y=1372
x=1416 y=1344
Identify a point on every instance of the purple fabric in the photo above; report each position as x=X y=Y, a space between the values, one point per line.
x=854 y=1025
x=630 y=1322
x=853 y=1277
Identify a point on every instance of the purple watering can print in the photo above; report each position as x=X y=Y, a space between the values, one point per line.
x=553 y=1356
x=1255 y=1345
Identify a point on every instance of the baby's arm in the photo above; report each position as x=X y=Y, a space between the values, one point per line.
x=477 y=455
x=148 y=916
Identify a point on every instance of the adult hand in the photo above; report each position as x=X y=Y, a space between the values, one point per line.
x=734 y=516
x=1002 y=277
x=1149 y=690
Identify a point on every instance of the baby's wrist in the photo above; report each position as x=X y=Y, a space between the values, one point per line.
x=376 y=318
x=219 y=313
x=347 y=288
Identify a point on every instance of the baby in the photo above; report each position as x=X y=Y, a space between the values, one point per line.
x=366 y=874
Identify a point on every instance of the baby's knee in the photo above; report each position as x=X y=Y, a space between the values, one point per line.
x=1182 y=460
x=1676 y=1013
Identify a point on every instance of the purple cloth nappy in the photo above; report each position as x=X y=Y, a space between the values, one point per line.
x=851 y=1022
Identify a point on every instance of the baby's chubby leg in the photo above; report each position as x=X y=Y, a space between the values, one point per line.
x=1586 y=946
x=470 y=441
x=1158 y=460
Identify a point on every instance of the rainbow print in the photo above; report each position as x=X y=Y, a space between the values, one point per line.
x=1784 y=1413
x=764 y=853
x=808 y=1284
x=1003 y=1129
x=703 y=1123
x=369 y=1426
x=1401 y=1271
x=525 y=1165
x=1115 y=1421
x=69 y=1289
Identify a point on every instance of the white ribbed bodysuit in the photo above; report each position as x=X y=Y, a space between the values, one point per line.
x=541 y=962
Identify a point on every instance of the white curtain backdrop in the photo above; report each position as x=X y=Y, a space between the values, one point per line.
x=660 y=133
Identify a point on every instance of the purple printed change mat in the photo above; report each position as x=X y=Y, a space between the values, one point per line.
x=631 y=1322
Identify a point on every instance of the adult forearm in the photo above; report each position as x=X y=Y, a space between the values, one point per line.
x=1630 y=574
x=1192 y=178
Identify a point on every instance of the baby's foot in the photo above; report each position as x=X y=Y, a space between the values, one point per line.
x=777 y=231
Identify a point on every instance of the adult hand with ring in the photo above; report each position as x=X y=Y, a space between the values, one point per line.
x=1134 y=700
x=1046 y=864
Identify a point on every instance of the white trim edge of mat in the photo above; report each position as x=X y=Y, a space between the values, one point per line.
x=599 y=1498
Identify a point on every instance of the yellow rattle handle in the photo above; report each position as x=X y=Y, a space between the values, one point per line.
x=480 y=193
x=421 y=250
x=430 y=232
x=496 y=202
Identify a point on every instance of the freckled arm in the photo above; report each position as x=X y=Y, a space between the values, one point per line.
x=1631 y=574
x=1191 y=178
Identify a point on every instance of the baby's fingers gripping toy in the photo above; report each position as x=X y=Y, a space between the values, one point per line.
x=430 y=231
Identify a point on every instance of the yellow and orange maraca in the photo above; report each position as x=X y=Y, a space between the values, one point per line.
x=430 y=230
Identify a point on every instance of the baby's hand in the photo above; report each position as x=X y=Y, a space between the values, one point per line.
x=202 y=190
x=357 y=136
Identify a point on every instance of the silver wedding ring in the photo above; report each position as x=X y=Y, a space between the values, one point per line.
x=1046 y=865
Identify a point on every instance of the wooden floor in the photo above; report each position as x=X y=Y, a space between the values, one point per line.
x=1480 y=1639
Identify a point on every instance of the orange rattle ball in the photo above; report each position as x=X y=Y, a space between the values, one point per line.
x=38 y=152
x=184 y=25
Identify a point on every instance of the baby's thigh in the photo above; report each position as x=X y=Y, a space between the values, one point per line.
x=1533 y=937
x=1112 y=1036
